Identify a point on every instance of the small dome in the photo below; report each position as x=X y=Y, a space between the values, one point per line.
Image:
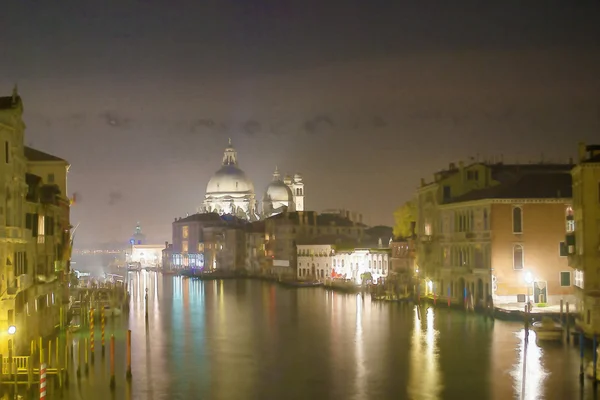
x=277 y=191
x=229 y=179
x=287 y=180
x=297 y=177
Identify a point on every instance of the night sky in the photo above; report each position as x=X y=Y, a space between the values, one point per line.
x=362 y=97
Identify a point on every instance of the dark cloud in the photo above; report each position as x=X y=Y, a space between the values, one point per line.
x=114 y=197
x=202 y=124
x=252 y=127
x=318 y=124
x=115 y=120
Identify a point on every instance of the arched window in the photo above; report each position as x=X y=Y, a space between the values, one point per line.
x=518 y=259
x=517 y=219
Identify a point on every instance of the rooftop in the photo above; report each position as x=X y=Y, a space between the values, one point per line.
x=553 y=185
x=7 y=103
x=211 y=219
x=37 y=155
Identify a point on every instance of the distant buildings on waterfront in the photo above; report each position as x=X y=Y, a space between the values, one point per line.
x=36 y=242
x=228 y=232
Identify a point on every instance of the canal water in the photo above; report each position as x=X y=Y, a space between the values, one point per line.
x=257 y=340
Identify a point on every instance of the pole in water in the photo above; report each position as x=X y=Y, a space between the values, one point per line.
x=449 y=295
x=595 y=360
x=79 y=359
x=42 y=381
x=92 y=350
x=128 y=374
x=112 y=362
x=102 y=328
x=146 y=297
x=85 y=355
x=581 y=368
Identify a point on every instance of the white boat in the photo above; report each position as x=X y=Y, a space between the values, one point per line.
x=547 y=330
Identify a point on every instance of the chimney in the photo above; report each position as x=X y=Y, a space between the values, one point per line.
x=452 y=166
x=581 y=148
x=422 y=181
x=166 y=245
x=413 y=228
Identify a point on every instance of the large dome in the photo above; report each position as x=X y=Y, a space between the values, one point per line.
x=277 y=191
x=229 y=179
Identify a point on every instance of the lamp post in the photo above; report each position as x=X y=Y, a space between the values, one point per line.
x=528 y=278
x=11 y=334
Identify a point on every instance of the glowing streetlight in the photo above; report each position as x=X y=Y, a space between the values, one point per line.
x=528 y=278
x=12 y=330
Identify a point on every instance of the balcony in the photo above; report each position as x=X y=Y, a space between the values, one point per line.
x=12 y=234
x=21 y=283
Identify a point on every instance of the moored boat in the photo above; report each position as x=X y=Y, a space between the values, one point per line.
x=547 y=330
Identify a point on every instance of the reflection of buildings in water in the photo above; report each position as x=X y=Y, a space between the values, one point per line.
x=424 y=375
x=359 y=347
x=528 y=373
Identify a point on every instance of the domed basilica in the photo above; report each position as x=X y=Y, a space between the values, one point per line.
x=229 y=191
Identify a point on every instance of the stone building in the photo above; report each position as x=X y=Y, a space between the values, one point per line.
x=208 y=241
x=230 y=191
x=494 y=230
x=325 y=261
x=283 y=232
x=35 y=247
x=582 y=241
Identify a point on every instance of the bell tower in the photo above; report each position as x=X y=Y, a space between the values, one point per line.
x=298 y=191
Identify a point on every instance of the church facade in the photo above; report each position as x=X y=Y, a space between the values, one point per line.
x=231 y=192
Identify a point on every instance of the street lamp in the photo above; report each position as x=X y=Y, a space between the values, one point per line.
x=528 y=278
x=12 y=330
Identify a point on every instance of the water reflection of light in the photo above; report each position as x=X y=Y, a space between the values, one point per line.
x=424 y=380
x=361 y=373
x=529 y=373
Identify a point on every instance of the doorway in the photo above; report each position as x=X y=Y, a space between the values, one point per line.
x=540 y=292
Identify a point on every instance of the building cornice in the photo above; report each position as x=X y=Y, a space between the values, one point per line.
x=483 y=202
x=9 y=127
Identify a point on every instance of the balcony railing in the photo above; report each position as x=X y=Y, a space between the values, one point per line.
x=21 y=283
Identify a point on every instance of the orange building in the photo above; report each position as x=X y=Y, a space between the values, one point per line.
x=504 y=239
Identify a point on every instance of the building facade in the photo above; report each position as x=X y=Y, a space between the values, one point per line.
x=326 y=261
x=208 y=241
x=36 y=245
x=583 y=235
x=497 y=239
x=283 y=232
x=147 y=255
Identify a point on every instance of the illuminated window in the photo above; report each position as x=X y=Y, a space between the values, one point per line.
x=201 y=247
x=184 y=246
x=518 y=260
x=578 y=281
x=517 y=219
x=185 y=232
x=41 y=228
x=427 y=229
